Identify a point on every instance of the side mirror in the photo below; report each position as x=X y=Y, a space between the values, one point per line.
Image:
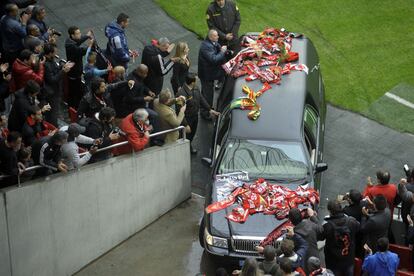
x=320 y=167
x=207 y=162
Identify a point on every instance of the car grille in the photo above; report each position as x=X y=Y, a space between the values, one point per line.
x=247 y=245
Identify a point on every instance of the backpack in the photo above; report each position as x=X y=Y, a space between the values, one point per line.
x=341 y=246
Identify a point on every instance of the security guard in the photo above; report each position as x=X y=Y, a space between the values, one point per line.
x=224 y=16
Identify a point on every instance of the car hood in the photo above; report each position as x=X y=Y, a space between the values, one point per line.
x=257 y=225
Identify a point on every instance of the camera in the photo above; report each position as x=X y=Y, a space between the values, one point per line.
x=118 y=131
x=55 y=32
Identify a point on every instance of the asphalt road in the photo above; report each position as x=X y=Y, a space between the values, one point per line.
x=355 y=147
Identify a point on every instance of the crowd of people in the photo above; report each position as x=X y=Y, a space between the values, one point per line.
x=106 y=102
x=358 y=226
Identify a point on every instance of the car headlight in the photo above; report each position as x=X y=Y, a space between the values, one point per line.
x=215 y=241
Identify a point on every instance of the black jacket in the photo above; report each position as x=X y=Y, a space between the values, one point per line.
x=180 y=71
x=135 y=97
x=96 y=129
x=210 y=59
x=117 y=97
x=52 y=86
x=22 y=106
x=8 y=160
x=74 y=53
x=194 y=100
x=46 y=154
x=331 y=249
x=375 y=226
x=225 y=20
x=30 y=132
x=157 y=67
x=91 y=104
x=354 y=210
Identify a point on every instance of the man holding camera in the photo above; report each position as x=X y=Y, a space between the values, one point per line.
x=74 y=53
x=27 y=67
x=70 y=150
x=168 y=118
x=101 y=127
x=224 y=16
x=210 y=58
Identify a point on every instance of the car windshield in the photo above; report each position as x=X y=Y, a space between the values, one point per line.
x=266 y=159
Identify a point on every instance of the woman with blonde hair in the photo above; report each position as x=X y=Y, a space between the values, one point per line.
x=181 y=67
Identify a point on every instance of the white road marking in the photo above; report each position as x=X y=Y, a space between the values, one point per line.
x=400 y=100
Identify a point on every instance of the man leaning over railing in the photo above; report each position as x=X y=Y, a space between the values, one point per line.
x=137 y=127
x=101 y=127
x=46 y=153
x=70 y=150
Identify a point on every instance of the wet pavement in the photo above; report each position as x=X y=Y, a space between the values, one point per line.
x=355 y=148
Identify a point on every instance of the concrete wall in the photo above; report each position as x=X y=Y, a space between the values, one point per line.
x=4 y=241
x=60 y=225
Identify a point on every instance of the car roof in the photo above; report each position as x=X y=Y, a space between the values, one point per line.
x=282 y=106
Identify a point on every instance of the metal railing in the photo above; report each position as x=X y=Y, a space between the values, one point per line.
x=120 y=144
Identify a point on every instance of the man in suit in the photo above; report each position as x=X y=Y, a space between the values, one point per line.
x=168 y=118
x=210 y=58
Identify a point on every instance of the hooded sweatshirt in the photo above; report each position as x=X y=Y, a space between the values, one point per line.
x=117 y=46
x=381 y=263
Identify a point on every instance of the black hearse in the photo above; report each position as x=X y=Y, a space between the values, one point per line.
x=285 y=145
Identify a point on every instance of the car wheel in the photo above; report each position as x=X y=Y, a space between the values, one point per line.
x=201 y=233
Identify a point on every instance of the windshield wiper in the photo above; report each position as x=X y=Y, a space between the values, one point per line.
x=288 y=180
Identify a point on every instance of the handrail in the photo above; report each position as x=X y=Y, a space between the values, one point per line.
x=180 y=128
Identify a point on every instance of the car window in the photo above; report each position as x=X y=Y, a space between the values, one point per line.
x=311 y=121
x=267 y=159
x=222 y=130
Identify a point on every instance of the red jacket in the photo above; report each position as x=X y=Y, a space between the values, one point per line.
x=389 y=191
x=22 y=72
x=136 y=139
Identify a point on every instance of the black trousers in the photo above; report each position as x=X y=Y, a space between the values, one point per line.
x=55 y=111
x=193 y=123
x=207 y=89
x=76 y=91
